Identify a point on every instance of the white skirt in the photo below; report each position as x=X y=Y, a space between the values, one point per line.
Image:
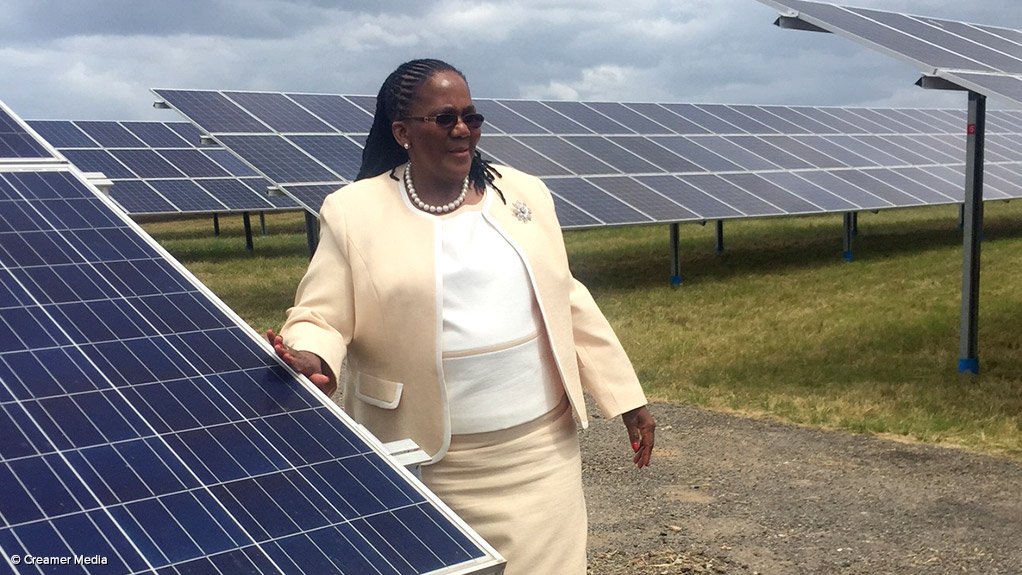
x=521 y=489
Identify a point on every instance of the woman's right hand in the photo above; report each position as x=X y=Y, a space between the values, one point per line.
x=306 y=363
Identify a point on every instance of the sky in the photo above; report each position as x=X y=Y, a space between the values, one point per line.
x=98 y=59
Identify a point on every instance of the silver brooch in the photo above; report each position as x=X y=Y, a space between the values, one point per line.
x=521 y=211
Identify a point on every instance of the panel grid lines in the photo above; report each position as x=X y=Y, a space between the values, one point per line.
x=167 y=435
x=975 y=57
x=588 y=151
x=135 y=156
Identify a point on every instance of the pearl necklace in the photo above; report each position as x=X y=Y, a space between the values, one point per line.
x=449 y=207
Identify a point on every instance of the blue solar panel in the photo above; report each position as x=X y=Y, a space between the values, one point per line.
x=642 y=198
x=772 y=193
x=589 y=140
x=545 y=116
x=569 y=156
x=110 y=134
x=278 y=112
x=730 y=194
x=711 y=123
x=195 y=163
x=336 y=111
x=147 y=164
x=597 y=202
x=614 y=155
x=162 y=151
x=979 y=58
x=693 y=199
x=500 y=118
x=278 y=159
x=62 y=134
x=338 y=153
x=138 y=197
x=236 y=195
x=769 y=152
x=187 y=196
x=157 y=135
x=188 y=133
x=511 y=152
x=629 y=118
x=311 y=196
x=98 y=161
x=16 y=142
x=145 y=427
x=588 y=117
x=212 y=111
x=230 y=162
x=667 y=118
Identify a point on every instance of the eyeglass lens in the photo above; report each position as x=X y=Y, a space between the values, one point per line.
x=473 y=121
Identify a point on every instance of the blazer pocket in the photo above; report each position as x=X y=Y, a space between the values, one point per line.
x=377 y=391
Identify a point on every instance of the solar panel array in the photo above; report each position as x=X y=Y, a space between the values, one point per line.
x=145 y=429
x=985 y=59
x=161 y=167
x=611 y=163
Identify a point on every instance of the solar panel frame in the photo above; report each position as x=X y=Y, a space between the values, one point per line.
x=101 y=467
x=935 y=46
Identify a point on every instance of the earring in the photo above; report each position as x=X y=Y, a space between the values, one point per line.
x=407 y=145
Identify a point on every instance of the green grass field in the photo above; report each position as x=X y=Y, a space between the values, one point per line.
x=778 y=325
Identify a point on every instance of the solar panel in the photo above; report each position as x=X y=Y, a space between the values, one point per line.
x=133 y=155
x=15 y=140
x=593 y=146
x=144 y=428
x=980 y=58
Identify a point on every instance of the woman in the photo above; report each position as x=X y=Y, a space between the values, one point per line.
x=444 y=283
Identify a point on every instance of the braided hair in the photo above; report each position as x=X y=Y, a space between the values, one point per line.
x=382 y=153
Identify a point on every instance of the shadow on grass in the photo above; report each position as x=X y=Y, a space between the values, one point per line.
x=758 y=248
x=226 y=249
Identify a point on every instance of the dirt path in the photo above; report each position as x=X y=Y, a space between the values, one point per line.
x=740 y=496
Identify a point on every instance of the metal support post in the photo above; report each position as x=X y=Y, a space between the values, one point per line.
x=855 y=224
x=248 y=231
x=848 y=235
x=720 y=236
x=216 y=225
x=311 y=231
x=262 y=223
x=968 y=360
x=675 y=255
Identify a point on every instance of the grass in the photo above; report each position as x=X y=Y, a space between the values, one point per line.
x=777 y=325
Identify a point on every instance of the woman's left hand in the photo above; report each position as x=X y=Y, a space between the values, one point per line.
x=641 y=429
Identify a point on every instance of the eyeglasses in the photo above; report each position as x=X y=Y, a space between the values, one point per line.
x=448 y=120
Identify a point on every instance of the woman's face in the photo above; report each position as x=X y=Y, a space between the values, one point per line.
x=441 y=156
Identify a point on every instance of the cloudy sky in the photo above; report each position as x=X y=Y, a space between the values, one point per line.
x=97 y=59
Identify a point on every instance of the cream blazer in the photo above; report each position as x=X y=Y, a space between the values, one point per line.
x=372 y=295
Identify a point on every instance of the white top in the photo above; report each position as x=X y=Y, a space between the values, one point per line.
x=497 y=364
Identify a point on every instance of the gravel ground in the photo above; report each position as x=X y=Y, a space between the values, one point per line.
x=736 y=495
